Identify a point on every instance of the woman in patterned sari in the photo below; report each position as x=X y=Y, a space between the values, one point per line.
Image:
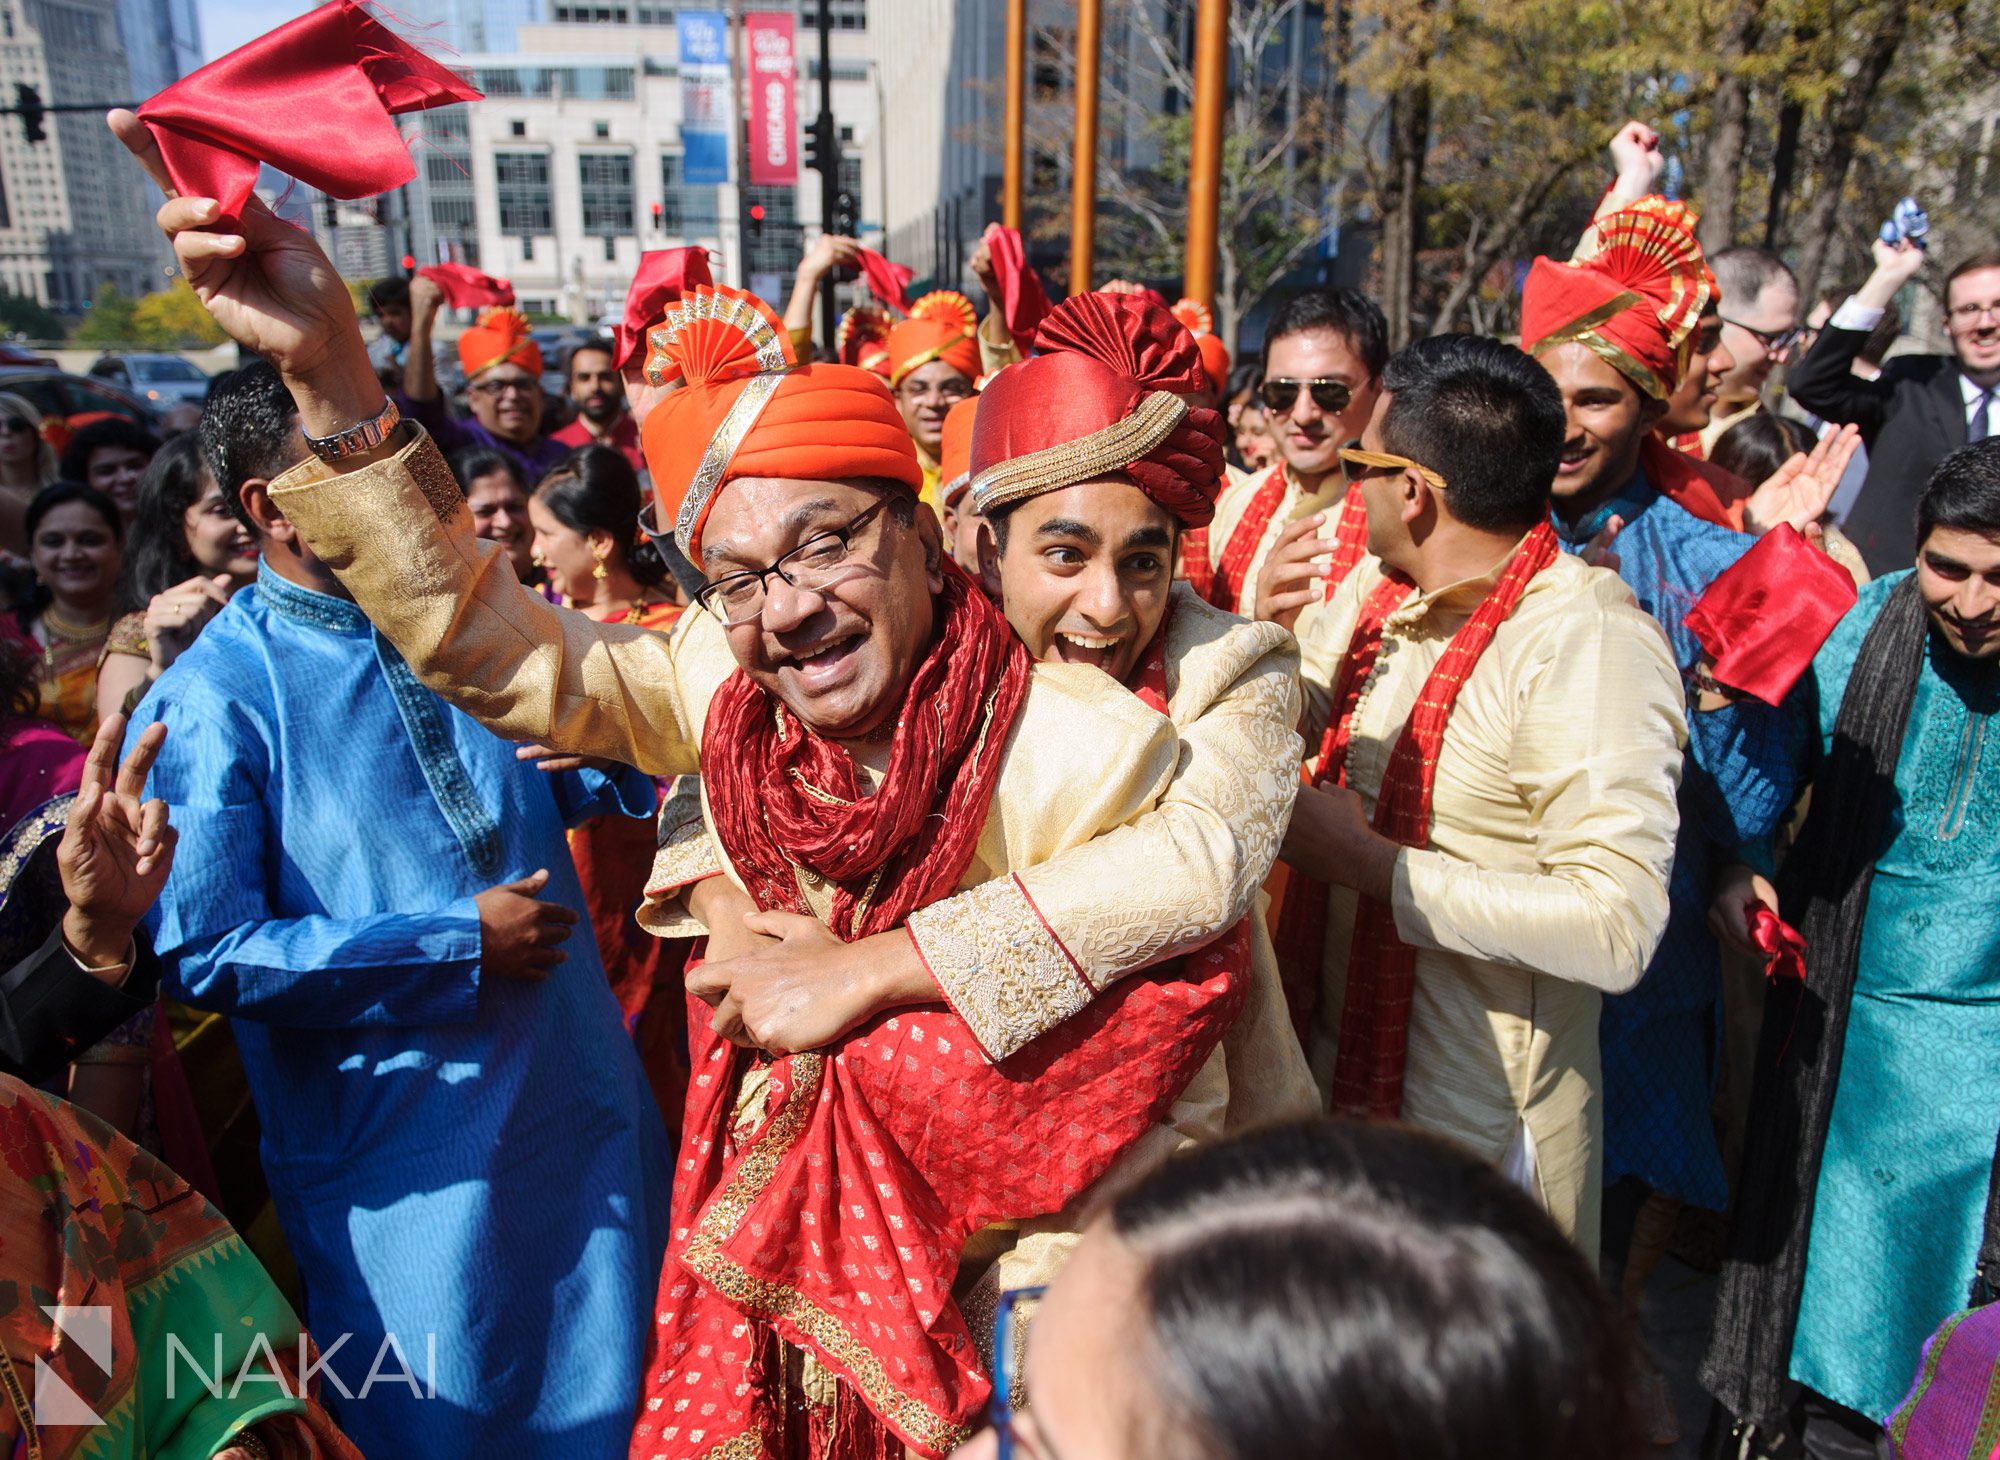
x=159 y=1286
x=75 y=538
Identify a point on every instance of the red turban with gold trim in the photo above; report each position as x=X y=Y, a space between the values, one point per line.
x=1631 y=295
x=955 y=453
x=500 y=337
x=747 y=408
x=862 y=338
x=942 y=326
x=1103 y=397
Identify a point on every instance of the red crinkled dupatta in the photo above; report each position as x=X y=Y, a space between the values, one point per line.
x=836 y=1223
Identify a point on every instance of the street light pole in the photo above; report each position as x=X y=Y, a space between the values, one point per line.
x=1083 y=177
x=1211 y=82
x=1017 y=112
x=829 y=175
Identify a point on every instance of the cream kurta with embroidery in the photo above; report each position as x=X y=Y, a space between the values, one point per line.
x=1544 y=883
x=1296 y=503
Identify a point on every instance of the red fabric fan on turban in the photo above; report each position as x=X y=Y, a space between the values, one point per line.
x=1102 y=396
x=1024 y=304
x=862 y=338
x=664 y=275
x=887 y=281
x=466 y=288
x=313 y=98
x=1765 y=617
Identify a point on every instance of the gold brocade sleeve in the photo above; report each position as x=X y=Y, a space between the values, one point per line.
x=1595 y=757
x=996 y=342
x=1018 y=957
x=686 y=854
x=398 y=535
x=1323 y=629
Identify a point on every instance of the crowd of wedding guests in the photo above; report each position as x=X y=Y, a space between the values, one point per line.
x=1696 y=929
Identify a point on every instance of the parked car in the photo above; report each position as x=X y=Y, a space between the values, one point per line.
x=164 y=381
x=57 y=393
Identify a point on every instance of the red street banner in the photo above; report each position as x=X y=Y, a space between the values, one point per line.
x=774 y=121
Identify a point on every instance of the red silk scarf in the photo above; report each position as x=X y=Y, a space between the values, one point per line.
x=1222 y=583
x=835 y=1217
x=1381 y=968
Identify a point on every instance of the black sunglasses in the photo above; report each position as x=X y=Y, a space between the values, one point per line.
x=1331 y=396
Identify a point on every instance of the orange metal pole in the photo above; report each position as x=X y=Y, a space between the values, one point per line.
x=1211 y=84
x=1083 y=184
x=1017 y=112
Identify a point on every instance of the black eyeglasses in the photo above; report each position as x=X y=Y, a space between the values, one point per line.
x=1331 y=396
x=815 y=565
x=1775 y=342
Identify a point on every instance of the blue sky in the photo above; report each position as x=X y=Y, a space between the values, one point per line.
x=227 y=24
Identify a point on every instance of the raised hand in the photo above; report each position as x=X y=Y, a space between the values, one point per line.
x=272 y=290
x=1597 y=552
x=1797 y=492
x=981 y=263
x=176 y=616
x=116 y=850
x=1635 y=153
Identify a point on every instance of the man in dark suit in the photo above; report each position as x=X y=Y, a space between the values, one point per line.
x=1921 y=407
x=94 y=968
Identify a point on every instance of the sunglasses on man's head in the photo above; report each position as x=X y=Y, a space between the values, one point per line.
x=1331 y=396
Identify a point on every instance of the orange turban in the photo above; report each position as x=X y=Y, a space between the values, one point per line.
x=941 y=326
x=1103 y=397
x=1214 y=354
x=1631 y=295
x=500 y=336
x=747 y=408
x=955 y=455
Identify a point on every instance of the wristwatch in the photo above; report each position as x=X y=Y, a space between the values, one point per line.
x=356 y=439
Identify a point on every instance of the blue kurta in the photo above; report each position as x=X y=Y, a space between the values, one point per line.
x=471 y=1165
x=1660 y=1041
x=1902 y=1187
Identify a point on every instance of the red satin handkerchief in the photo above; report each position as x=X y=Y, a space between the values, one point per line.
x=886 y=281
x=1783 y=946
x=466 y=288
x=664 y=275
x=1764 y=619
x=1023 y=301
x=313 y=98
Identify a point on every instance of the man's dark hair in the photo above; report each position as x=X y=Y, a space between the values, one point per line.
x=1244 y=379
x=249 y=428
x=1758 y=445
x=1985 y=258
x=1875 y=349
x=111 y=431
x=1963 y=492
x=1742 y=273
x=1345 y=312
x=1313 y=1288
x=1483 y=416
x=389 y=294
x=598 y=343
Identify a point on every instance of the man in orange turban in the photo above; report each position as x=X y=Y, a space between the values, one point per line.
x=960 y=518
x=933 y=361
x=503 y=384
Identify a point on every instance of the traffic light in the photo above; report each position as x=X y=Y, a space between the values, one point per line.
x=823 y=146
x=659 y=217
x=409 y=264
x=332 y=211
x=756 y=220
x=845 y=211
x=28 y=102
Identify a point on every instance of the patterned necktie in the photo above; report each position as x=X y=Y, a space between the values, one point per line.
x=1976 y=426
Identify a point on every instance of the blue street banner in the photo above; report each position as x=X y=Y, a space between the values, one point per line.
x=704 y=36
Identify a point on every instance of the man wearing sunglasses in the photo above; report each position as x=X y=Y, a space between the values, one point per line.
x=1484 y=846
x=1920 y=407
x=1323 y=356
x=503 y=385
x=1760 y=325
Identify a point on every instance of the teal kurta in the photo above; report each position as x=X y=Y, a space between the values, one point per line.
x=1909 y=1151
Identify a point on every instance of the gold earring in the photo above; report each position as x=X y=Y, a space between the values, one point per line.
x=598 y=572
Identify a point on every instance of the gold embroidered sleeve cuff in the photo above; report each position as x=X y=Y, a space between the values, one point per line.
x=998 y=965
x=687 y=854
